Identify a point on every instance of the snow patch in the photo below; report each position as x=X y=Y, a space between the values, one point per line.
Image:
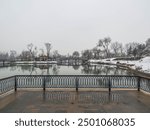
x=141 y=65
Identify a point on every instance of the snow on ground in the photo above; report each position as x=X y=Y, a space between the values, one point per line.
x=142 y=64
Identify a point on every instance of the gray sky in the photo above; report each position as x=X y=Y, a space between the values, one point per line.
x=71 y=24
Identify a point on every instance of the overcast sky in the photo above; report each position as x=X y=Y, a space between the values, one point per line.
x=71 y=24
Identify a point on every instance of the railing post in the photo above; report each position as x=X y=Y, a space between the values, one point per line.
x=44 y=83
x=77 y=84
x=138 y=83
x=109 y=85
x=15 y=84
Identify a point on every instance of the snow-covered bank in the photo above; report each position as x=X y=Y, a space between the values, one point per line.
x=142 y=65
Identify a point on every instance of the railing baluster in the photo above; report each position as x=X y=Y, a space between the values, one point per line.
x=138 y=83
x=109 y=85
x=44 y=83
x=77 y=84
x=15 y=83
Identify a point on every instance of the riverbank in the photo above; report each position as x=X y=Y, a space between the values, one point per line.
x=140 y=67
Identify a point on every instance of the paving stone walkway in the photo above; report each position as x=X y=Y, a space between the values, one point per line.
x=71 y=101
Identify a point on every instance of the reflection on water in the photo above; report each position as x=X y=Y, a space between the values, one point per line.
x=104 y=70
x=54 y=69
x=55 y=97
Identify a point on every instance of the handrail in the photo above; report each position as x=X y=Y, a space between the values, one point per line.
x=82 y=75
x=8 y=77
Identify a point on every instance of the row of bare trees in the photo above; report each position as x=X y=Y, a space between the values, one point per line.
x=32 y=51
x=8 y=56
x=105 y=48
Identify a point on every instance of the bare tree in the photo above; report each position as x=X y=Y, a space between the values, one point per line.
x=56 y=54
x=25 y=55
x=75 y=54
x=94 y=50
x=3 y=56
x=87 y=54
x=30 y=48
x=12 y=55
x=48 y=49
x=132 y=49
x=116 y=48
x=103 y=44
x=121 y=50
x=107 y=41
x=146 y=51
x=148 y=42
x=126 y=48
x=142 y=49
x=35 y=51
x=42 y=51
